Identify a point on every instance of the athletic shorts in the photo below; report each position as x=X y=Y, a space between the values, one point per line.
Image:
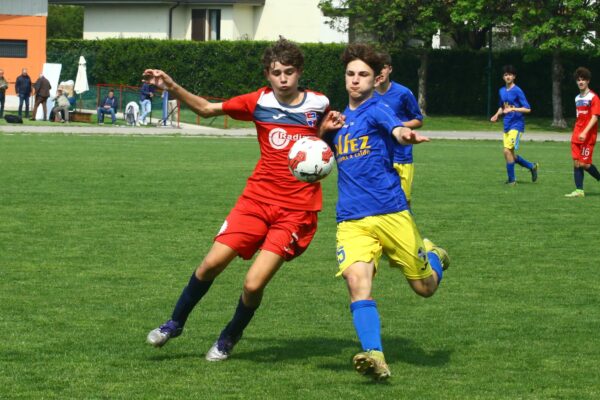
x=406 y=172
x=512 y=139
x=253 y=225
x=582 y=152
x=394 y=234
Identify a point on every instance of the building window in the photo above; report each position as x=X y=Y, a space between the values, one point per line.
x=13 y=48
x=206 y=24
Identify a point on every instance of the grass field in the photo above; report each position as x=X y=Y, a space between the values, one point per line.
x=98 y=235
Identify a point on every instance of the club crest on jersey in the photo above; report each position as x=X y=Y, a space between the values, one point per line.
x=279 y=138
x=311 y=118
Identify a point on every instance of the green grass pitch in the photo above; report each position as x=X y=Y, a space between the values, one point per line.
x=98 y=235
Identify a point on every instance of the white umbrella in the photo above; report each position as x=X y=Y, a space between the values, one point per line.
x=81 y=82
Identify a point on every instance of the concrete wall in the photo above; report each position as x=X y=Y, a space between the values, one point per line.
x=38 y=8
x=126 y=21
x=298 y=20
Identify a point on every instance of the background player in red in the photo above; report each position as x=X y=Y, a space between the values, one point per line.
x=276 y=215
x=585 y=131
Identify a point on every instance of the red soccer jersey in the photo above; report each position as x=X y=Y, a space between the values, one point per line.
x=278 y=127
x=586 y=106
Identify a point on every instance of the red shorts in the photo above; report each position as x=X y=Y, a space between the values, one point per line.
x=582 y=152
x=252 y=225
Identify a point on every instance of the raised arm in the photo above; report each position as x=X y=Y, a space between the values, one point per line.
x=198 y=104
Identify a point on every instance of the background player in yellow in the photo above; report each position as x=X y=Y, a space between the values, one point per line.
x=513 y=105
x=405 y=105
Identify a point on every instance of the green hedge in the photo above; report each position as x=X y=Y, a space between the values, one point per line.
x=457 y=80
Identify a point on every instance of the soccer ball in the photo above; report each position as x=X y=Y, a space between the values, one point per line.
x=310 y=159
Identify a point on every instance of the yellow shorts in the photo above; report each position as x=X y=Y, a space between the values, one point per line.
x=512 y=139
x=406 y=172
x=394 y=234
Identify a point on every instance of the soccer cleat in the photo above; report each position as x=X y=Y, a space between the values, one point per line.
x=534 y=172
x=441 y=253
x=511 y=183
x=221 y=349
x=372 y=364
x=160 y=336
x=576 y=193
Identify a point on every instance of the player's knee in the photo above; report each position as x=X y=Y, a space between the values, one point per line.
x=424 y=288
x=253 y=288
x=210 y=268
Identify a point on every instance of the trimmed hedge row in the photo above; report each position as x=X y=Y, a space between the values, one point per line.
x=457 y=79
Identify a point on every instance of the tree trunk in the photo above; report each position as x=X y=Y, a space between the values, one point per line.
x=558 y=120
x=422 y=73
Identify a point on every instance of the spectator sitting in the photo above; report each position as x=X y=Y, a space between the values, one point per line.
x=68 y=90
x=108 y=106
x=61 y=104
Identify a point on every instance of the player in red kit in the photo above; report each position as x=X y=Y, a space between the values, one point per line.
x=585 y=131
x=276 y=215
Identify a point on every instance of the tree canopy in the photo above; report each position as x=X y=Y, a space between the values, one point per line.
x=64 y=22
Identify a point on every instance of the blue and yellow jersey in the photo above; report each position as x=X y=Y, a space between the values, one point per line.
x=404 y=104
x=513 y=97
x=368 y=184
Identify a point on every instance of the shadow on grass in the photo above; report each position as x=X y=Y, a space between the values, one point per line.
x=397 y=349
x=269 y=350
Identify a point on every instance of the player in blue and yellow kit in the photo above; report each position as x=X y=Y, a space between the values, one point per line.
x=404 y=104
x=513 y=104
x=372 y=213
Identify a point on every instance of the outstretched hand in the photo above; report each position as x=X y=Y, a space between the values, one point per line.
x=158 y=78
x=408 y=136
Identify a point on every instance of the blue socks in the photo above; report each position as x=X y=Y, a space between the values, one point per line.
x=593 y=171
x=190 y=296
x=523 y=162
x=239 y=322
x=366 y=322
x=436 y=265
x=578 y=176
x=510 y=170
x=510 y=167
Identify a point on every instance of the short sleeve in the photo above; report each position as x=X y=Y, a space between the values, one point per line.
x=242 y=107
x=595 y=109
x=386 y=118
x=523 y=100
x=412 y=107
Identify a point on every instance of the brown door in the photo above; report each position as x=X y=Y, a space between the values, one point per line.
x=199 y=25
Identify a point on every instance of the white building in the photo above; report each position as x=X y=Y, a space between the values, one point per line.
x=297 y=20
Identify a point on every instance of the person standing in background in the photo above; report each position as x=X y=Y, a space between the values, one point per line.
x=23 y=89
x=146 y=94
x=3 y=87
x=42 y=91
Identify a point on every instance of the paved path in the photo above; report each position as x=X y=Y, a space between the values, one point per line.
x=194 y=130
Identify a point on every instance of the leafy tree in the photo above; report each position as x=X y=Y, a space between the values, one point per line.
x=393 y=25
x=64 y=22
x=557 y=25
x=399 y=24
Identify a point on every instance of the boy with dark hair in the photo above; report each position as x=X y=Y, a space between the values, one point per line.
x=372 y=213
x=402 y=101
x=276 y=215
x=585 y=131
x=513 y=105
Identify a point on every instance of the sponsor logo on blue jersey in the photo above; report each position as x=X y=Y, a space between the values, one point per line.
x=347 y=148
